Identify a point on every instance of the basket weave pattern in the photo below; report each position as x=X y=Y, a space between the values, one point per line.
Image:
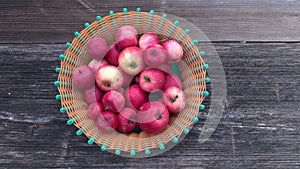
x=191 y=67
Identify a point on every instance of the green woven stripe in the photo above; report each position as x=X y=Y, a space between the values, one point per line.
x=193 y=105
x=171 y=32
x=138 y=16
x=59 y=97
x=195 y=42
x=90 y=29
x=72 y=107
x=99 y=19
x=150 y=19
x=162 y=23
x=186 y=32
x=58 y=83
x=78 y=35
x=125 y=16
x=75 y=49
x=111 y=13
x=63 y=70
x=72 y=61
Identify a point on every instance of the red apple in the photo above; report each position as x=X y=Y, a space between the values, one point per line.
x=127 y=42
x=127 y=30
x=97 y=64
x=94 y=110
x=131 y=60
x=109 y=78
x=155 y=55
x=135 y=96
x=107 y=121
x=126 y=36
x=153 y=117
x=113 y=101
x=165 y=68
x=172 y=80
x=83 y=77
x=151 y=79
x=112 y=55
x=127 y=120
x=174 y=50
x=93 y=94
x=174 y=99
x=148 y=39
x=97 y=48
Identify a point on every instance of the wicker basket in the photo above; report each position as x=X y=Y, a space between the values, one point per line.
x=192 y=68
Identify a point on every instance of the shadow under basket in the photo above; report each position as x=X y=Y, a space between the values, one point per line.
x=192 y=72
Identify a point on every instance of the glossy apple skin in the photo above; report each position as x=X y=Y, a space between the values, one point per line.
x=107 y=121
x=83 y=77
x=131 y=60
x=172 y=80
x=151 y=79
x=97 y=64
x=109 y=78
x=155 y=56
x=135 y=96
x=94 y=110
x=126 y=36
x=174 y=50
x=93 y=94
x=112 y=55
x=113 y=101
x=97 y=48
x=174 y=99
x=127 y=120
x=153 y=117
x=127 y=42
x=148 y=39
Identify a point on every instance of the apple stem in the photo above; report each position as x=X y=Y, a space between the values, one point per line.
x=133 y=65
x=159 y=116
x=172 y=100
x=107 y=84
x=131 y=121
x=107 y=106
x=147 y=79
x=154 y=53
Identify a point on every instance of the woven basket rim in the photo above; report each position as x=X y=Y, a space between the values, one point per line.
x=74 y=51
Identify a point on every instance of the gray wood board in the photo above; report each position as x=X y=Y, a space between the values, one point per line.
x=259 y=128
x=55 y=21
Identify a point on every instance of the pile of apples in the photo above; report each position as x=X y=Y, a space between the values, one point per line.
x=128 y=84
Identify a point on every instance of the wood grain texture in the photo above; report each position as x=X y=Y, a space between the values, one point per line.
x=55 y=21
x=259 y=128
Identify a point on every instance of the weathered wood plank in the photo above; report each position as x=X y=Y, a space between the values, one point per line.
x=54 y=21
x=259 y=129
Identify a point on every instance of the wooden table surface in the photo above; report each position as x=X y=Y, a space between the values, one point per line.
x=258 y=42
